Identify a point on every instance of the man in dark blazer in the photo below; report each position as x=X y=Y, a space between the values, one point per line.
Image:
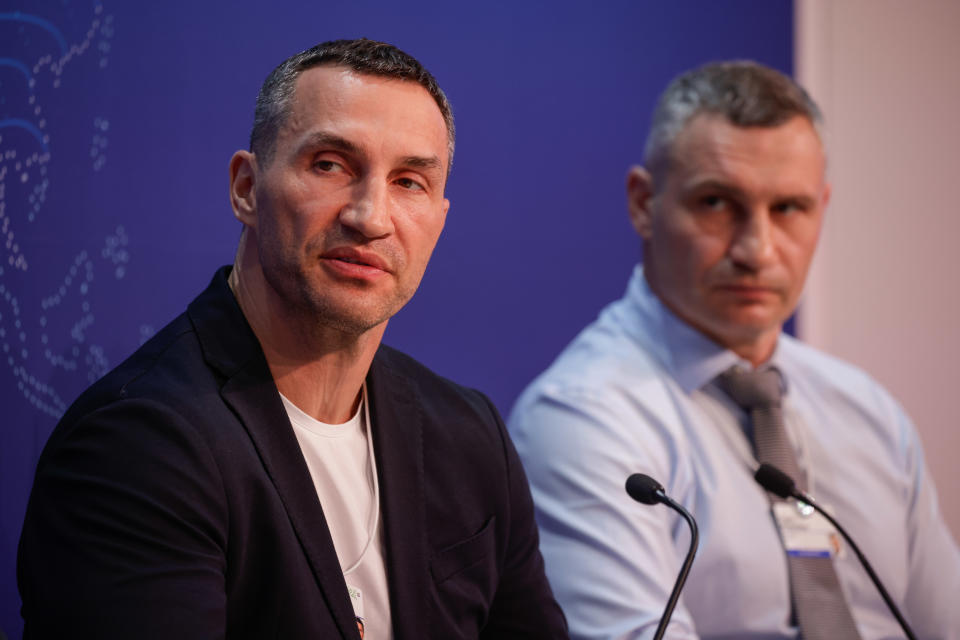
x=175 y=500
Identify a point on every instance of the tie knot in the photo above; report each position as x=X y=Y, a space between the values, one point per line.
x=759 y=389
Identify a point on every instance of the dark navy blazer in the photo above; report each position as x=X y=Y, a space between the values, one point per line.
x=172 y=501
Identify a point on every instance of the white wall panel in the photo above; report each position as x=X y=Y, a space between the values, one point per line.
x=884 y=292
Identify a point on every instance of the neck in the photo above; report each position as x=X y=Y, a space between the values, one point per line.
x=318 y=368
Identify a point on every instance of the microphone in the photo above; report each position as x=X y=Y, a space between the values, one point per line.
x=645 y=489
x=780 y=484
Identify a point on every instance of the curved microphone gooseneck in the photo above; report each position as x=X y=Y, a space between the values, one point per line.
x=779 y=483
x=645 y=489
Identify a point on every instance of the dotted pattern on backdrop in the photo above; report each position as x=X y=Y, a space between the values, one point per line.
x=58 y=337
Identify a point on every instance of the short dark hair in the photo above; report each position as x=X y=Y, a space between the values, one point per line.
x=746 y=93
x=361 y=55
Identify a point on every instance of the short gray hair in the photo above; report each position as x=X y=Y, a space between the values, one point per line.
x=746 y=93
x=367 y=57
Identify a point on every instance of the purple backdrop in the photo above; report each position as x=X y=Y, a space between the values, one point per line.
x=117 y=120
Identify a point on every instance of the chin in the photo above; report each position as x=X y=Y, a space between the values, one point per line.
x=737 y=325
x=352 y=314
x=750 y=317
x=348 y=321
x=745 y=331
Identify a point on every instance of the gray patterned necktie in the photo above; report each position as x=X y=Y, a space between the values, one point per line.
x=818 y=603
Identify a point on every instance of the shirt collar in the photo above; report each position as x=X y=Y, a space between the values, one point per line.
x=693 y=358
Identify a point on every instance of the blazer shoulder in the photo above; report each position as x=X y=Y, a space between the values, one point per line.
x=171 y=351
x=167 y=372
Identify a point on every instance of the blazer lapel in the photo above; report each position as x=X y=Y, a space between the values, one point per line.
x=230 y=346
x=397 y=439
x=261 y=411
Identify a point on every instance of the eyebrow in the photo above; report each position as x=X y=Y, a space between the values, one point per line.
x=736 y=192
x=422 y=162
x=712 y=185
x=325 y=139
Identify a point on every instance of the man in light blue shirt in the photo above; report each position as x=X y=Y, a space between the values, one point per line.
x=729 y=207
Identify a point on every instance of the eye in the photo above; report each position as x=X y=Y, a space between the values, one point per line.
x=409 y=184
x=327 y=166
x=788 y=207
x=714 y=203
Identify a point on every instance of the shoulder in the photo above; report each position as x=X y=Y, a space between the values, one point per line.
x=843 y=405
x=455 y=422
x=607 y=359
x=169 y=390
x=168 y=369
x=607 y=397
x=405 y=375
x=618 y=358
x=140 y=430
x=835 y=380
x=183 y=367
x=151 y=397
x=811 y=359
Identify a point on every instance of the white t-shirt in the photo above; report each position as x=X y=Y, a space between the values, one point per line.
x=341 y=462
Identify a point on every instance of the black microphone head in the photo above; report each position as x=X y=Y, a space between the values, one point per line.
x=775 y=481
x=643 y=488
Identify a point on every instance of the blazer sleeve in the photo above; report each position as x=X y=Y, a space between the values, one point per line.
x=523 y=606
x=124 y=534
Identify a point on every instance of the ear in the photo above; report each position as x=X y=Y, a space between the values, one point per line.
x=444 y=208
x=640 y=200
x=827 y=192
x=243 y=178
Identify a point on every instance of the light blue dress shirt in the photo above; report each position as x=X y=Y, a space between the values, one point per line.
x=634 y=392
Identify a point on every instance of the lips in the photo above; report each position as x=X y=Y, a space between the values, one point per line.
x=748 y=291
x=359 y=257
x=351 y=264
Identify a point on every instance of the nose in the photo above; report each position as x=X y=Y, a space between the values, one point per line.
x=752 y=246
x=368 y=213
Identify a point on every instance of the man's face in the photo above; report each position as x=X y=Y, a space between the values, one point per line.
x=729 y=235
x=350 y=205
